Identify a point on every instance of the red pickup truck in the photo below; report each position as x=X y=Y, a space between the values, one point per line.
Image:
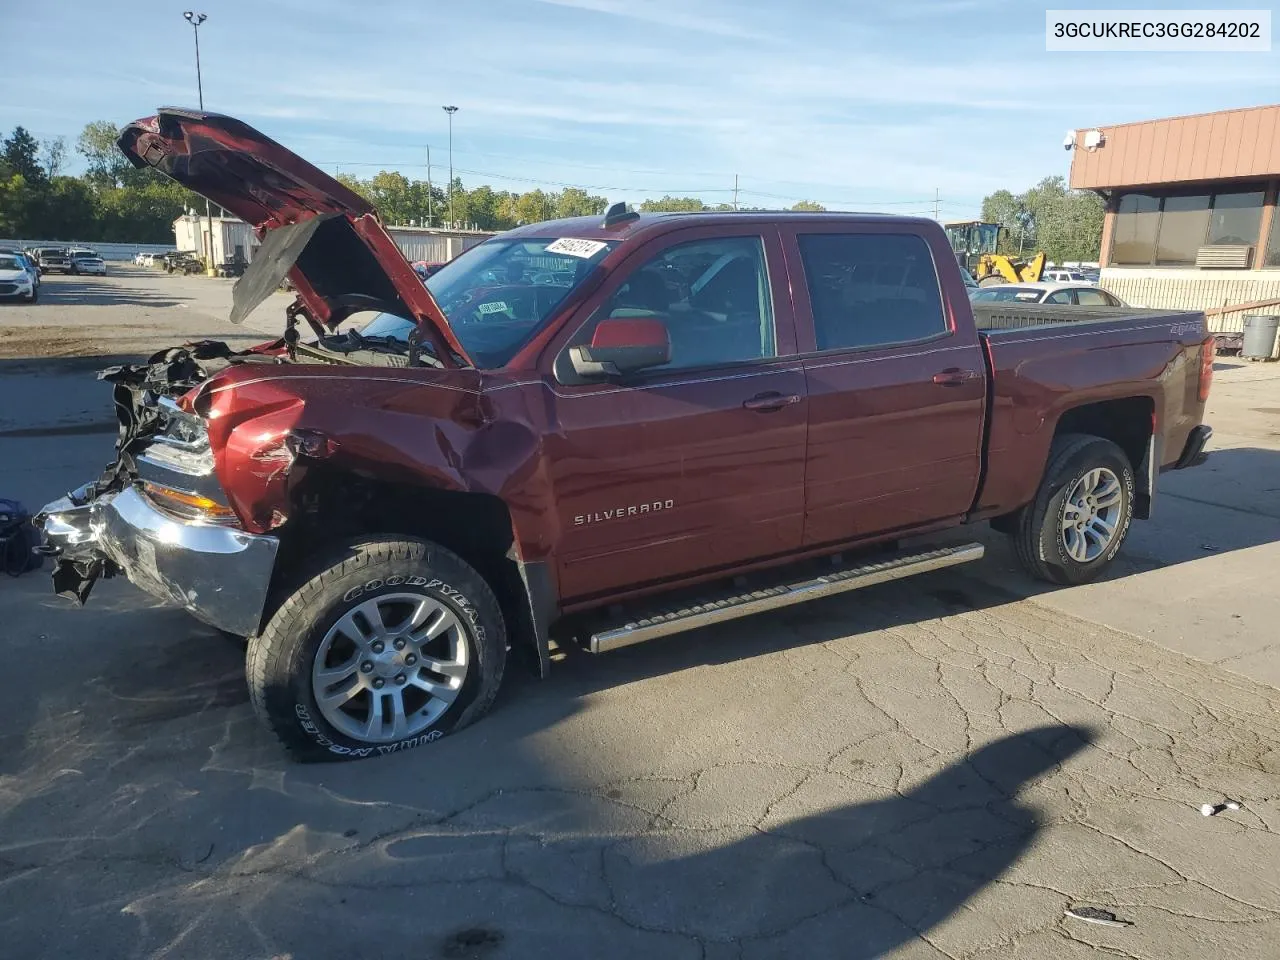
x=592 y=431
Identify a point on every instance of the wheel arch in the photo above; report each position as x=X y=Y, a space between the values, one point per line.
x=1129 y=423
x=334 y=505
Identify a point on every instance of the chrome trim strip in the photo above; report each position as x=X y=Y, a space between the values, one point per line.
x=648 y=385
x=772 y=598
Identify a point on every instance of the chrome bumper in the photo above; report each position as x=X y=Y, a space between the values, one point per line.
x=220 y=574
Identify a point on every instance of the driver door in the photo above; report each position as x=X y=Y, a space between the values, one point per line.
x=698 y=464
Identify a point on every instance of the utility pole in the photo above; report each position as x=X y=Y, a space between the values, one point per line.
x=195 y=19
x=429 y=211
x=735 y=191
x=450 y=111
x=936 y=197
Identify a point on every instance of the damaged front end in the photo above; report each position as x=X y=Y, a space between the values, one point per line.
x=158 y=513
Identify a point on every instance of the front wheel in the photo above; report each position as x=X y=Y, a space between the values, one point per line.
x=1081 y=513
x=393 y=644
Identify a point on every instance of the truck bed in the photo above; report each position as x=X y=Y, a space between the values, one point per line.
x=1043 y=360
x=998 y=317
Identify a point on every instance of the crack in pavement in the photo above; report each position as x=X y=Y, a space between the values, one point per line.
x=910 y=780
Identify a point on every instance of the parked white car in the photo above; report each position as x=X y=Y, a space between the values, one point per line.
x=87 y=262
x=1063 y=275
x=16 y=282
x=1049 y=294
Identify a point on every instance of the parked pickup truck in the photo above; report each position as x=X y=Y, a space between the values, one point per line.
x=594 y=431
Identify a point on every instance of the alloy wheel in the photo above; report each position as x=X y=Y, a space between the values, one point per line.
x=1091 y=514
x=390 y=667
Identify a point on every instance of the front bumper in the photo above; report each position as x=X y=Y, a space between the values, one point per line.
x=10 y=289
x=219 y=574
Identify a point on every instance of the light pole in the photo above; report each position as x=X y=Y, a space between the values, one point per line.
x=450 y=111
x=195 y=19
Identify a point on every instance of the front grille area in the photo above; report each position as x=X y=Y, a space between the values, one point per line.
x=7 y=288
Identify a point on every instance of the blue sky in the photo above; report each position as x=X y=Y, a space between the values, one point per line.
x=853 y=104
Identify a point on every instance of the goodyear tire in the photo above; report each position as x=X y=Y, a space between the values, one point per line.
x=393 y=644
x=1081 y=514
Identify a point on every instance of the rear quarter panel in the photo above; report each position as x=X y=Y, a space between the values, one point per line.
x=1040 y=373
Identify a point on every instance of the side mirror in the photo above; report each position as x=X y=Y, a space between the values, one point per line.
x=622 y=346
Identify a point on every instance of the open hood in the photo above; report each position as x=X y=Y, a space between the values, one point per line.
x=324 y=237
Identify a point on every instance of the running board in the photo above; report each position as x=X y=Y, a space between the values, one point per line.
x=731 y=606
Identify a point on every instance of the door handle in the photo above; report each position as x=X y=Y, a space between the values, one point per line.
x=953 y=377
x=773 y=400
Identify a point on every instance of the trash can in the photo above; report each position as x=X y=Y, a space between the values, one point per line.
x=1260 y=337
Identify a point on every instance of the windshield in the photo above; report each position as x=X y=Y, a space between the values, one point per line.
x=1006 y=294
x=10 y=263
x=498 y=294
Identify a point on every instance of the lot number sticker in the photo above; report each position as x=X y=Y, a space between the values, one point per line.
x=586 y=249
x=493 y=306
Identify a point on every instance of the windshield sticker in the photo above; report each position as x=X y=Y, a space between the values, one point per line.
x=585 y=249
x=493 y=306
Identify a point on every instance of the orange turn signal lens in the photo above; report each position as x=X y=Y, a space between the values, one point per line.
x=188 y=505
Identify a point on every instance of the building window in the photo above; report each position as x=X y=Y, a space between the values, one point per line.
x=1137 y=222
x=1184 y=221
x=1167 y=229
x=1273 y=244
x=1236 y=218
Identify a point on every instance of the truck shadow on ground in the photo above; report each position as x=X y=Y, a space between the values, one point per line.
x=162 y=719
x=513 y=834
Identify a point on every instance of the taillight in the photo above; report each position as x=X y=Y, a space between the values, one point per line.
x=1206 y=367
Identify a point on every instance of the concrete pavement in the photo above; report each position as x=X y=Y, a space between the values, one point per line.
x=937 y=768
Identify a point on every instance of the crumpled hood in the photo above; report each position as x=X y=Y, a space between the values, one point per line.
x=330 y=243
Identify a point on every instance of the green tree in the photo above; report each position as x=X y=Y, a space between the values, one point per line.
x=22 y=156
x=390 y=193
x=1066 y=224
x=575 y=202
x=669 y=204
x=143 y=214
x=108 y=167
x=534 y=207
x=66 y=209
x=808 y=206
x=485 y=209
x=355 y=185
x=15 y=197
x=53 y=156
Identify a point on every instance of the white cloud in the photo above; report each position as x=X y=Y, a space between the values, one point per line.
x=671 y=16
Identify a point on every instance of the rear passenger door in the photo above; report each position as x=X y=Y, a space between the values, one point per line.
x=897 y=392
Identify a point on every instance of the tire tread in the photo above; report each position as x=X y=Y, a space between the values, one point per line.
x=262 y=660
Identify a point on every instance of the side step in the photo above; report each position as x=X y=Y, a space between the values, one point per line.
x=730 y=606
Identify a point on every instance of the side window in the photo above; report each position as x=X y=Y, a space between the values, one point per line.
x=1092 y=298
x=713 y=296
x=870 y=290
x=1059 y=297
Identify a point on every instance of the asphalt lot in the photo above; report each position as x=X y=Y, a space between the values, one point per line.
x=936 y=768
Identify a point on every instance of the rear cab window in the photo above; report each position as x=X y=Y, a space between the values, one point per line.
x=869 y=290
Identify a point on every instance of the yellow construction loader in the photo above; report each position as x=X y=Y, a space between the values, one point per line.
x=975 y=243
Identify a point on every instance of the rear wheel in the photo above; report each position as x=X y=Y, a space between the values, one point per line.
x=1081 y=513
x=393 y=644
